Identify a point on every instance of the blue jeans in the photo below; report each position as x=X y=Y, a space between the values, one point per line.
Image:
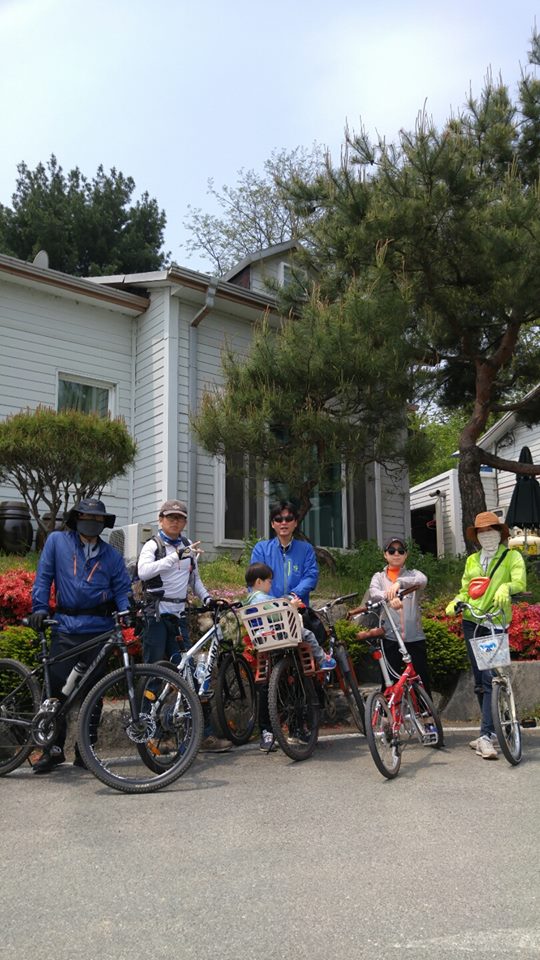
x=482 y=679
x=161 y=638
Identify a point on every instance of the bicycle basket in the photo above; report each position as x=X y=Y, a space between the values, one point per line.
x=272 y=624
x=491 y=650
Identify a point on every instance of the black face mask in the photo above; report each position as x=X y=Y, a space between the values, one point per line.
x=90 y=528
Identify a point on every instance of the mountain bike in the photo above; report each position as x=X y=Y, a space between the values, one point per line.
x=121 y=717
x=233 y=697
x=492 y=652
x=288 y=666
x=344 y=671
x=402 y=711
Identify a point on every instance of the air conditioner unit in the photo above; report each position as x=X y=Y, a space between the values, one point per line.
x=128 y=540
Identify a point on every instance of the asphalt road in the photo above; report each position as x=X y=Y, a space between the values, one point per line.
x=253 y=856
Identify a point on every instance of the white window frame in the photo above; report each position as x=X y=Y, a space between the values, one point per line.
x=220 y=540
x=89 y=382
x=110 y=489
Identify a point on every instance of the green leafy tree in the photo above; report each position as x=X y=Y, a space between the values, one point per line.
x=441 y=438
x=453 y=218
x=87 y=227
x=258 y=212
x=327 y=387
x=54 y=458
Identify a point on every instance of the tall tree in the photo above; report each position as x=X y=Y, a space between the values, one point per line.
x=453 y=217
x=257 y=212
x=87 y=227
x=327 y=387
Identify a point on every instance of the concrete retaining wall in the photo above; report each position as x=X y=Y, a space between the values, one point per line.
x=525 y=676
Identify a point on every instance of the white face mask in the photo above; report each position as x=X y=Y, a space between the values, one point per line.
x=489 y=540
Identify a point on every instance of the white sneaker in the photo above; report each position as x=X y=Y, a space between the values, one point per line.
x=486 y=749
x=474 y=743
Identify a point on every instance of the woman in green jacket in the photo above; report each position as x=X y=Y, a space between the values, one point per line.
x=506 y=570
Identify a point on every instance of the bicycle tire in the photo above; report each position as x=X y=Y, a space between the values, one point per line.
x=384 y=749
x=235 y=699
x=423 y=715
x=20 y=698
x=505 y=721
x=293 y=709
x=355 y=700
x=123 y=760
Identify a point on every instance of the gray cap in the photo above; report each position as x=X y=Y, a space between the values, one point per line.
x=173 y=506
x=391 y=540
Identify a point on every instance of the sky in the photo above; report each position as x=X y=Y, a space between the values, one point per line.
x=174 y=92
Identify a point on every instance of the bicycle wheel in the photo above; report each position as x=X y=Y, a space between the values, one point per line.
x=235 y=699
x=384 y=747
x=119 y=750
x=293 y=708
x=19 y=702
x=355 y=701
x=424 y=716
x=505 y=721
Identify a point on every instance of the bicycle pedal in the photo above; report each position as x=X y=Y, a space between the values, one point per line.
x=204 y=697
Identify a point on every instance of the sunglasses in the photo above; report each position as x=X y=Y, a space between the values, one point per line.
x=175 y=517
x=393 y=550
x=286 y=518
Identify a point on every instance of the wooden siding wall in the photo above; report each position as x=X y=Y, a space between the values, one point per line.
x=42 y=335
x=263 y=271
x=214 y=332
x=517 y=437
x=149 y=409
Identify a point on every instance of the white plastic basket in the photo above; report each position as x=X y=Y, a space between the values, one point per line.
x=491 y=650
x=272 y=624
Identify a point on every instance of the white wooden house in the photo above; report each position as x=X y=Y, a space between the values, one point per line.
x=146 y=346
x=436 y=518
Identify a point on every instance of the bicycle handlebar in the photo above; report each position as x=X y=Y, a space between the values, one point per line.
x=335 y=601
x=490 y=615
x=373 y=605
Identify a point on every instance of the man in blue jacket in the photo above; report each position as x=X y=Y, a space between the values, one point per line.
x=293 y=562
x=91 y=581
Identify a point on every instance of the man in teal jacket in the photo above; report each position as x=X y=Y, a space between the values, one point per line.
x=506 y=570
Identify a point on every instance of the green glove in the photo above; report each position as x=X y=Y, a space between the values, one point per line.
x=451 y=609
x=502 y=595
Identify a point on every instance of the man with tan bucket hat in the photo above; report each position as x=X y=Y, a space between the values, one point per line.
x=491 y=577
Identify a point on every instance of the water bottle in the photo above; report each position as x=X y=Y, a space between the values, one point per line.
x=74 y=678
x=200 y=673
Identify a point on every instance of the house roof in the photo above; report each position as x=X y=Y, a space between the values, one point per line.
x=29 y=274
x=195 y=286
x=273 y=251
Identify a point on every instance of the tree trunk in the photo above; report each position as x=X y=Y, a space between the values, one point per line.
x=473 y=500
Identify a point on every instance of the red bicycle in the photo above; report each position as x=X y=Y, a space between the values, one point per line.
x=404 y=710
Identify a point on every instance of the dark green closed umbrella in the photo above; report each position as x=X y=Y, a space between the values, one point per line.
x=524 y=508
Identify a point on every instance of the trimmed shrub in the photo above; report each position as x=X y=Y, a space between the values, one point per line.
x=20 y=643
x=446 y=653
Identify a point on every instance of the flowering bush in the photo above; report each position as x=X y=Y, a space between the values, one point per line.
x=524 y=631
x=15 y=595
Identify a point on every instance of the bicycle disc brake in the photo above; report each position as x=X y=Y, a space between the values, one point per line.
x=141 y=730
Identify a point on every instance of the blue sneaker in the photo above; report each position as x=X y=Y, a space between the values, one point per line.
x=327 y=664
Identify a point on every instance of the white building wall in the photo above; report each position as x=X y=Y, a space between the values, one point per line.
x=42 y=335
x=149 y=409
